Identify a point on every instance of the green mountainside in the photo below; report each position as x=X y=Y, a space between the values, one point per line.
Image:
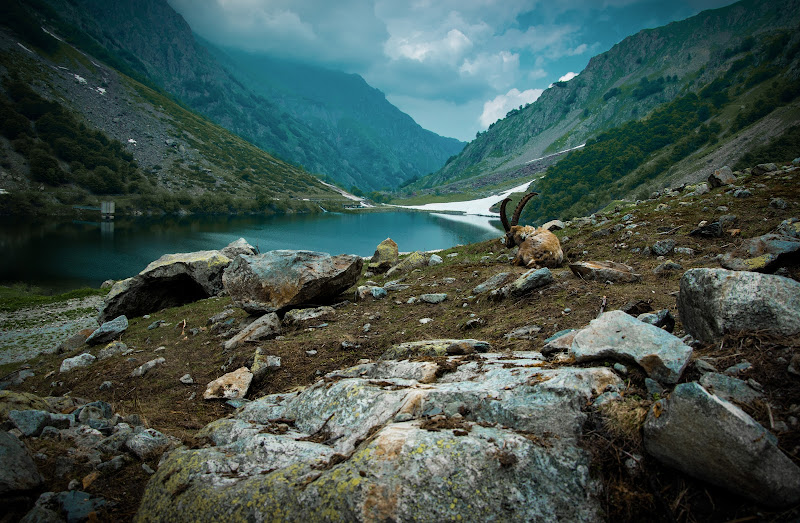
x=693 y=87
x=350 y=147
x=74 y=131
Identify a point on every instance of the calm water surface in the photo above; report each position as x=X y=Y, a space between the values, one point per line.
x=68 y=254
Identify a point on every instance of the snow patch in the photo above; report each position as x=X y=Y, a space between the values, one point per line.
x=101 y=90
x=22 y=46
x=131 y=141
x=80 y=79
x=51 y=34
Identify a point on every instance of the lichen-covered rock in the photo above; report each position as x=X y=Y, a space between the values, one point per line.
x=302 y=316
x=11 y=400
x=108 y=331
x=713 y=440
x=497 y=439
x=265 y=327
x=385 y=257
x=713 y=302
x=620 y=336
x=415 y=260
x=604 y=271
x=19 y=472
x=432 y=348
x=172 y=280
x=529 y=281
x=762 y=254
x=285 y=279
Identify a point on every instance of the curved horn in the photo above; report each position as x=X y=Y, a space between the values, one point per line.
x=503 y=217
x=520 y=206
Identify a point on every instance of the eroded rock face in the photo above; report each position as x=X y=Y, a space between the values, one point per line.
x=713 y=302
x=496 y=439
x=284 y=279
x=712 y=439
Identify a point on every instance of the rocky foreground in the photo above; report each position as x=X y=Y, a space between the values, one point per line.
x=495 y=412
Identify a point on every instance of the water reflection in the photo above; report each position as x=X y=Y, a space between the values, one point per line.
x=66 y=254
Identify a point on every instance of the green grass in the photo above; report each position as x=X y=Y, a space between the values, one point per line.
x=21 y=296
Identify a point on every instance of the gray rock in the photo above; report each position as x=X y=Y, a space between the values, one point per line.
x=617 y=335
x=263 y=363
x=742 y=193
x=554 y=225
x=433 y=298
x=82 y=360
x=266 y=327
x=666 y=268
x=378 y=292
x=435 y=259
x=529 y=281
x=559 y=342
x=764 y=168
x=686 y=251
x=170 y=281
x=662 y=319
x=704 y=366
x=108 y=331
x=604 y=271
x=284 y=279
x=778 y=203
x=790 y=227
x=663 y=247
x=495 y=282
x=94 y=410
x=654 y=388
x=762 y=254
x=527 y=332
x=141 y=370
x=735 y=370
x=235 y=248
x=713 y=302
x=112 y=349
x=302 y=316
x=32 y=422
x=728 y=388
x=713 y=440
x=721 y=176
x=794 y=365
x=149 y=443
x=186 y=379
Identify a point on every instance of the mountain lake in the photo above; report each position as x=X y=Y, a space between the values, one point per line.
x=60 y=255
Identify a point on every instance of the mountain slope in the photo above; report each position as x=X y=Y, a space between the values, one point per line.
x=75 y=130
x=625 y=83
x=153 y=39
x=377 y=138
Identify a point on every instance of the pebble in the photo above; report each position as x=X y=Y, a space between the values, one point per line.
x=425 y=320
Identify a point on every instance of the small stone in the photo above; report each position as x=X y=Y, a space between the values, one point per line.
x=433 y=298
x=425 y=320
x=108 y=331
x=654 y=388
x=378 y=292
x=742 y=193
x=738 y=368
x=311 y=353
x=663 y=247
x=156 y=324
x=622 y=369
x=366 y=327
x=435 y=259
x=82 y=360
x=142 y=369
x=794 y=365
x=186 y=379
x=106 y=385
x=148 y=469
x=231 y=385
x=778 y=203
x=704 y=366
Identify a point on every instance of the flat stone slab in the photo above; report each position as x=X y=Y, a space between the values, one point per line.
x=620 y=336
x=605 y=271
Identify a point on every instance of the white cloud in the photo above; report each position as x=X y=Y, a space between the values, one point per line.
x=417 y=46
x=498 y=70
x=497 y=108
x=567 y=77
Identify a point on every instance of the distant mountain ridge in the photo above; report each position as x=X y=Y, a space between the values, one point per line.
x=326 y=137
x=627 y=82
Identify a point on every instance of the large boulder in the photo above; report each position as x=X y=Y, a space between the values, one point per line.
x=170 y=281
x=285 y=279
x=713 y=302
x=722 y=176
x=498 y=439
x=620 y=336
x=385 y=257
x=713 y=440
x=531 y=280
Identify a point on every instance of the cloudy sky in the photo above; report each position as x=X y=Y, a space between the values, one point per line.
x=455 y=66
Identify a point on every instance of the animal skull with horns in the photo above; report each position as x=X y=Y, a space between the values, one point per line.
x=537 y=247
